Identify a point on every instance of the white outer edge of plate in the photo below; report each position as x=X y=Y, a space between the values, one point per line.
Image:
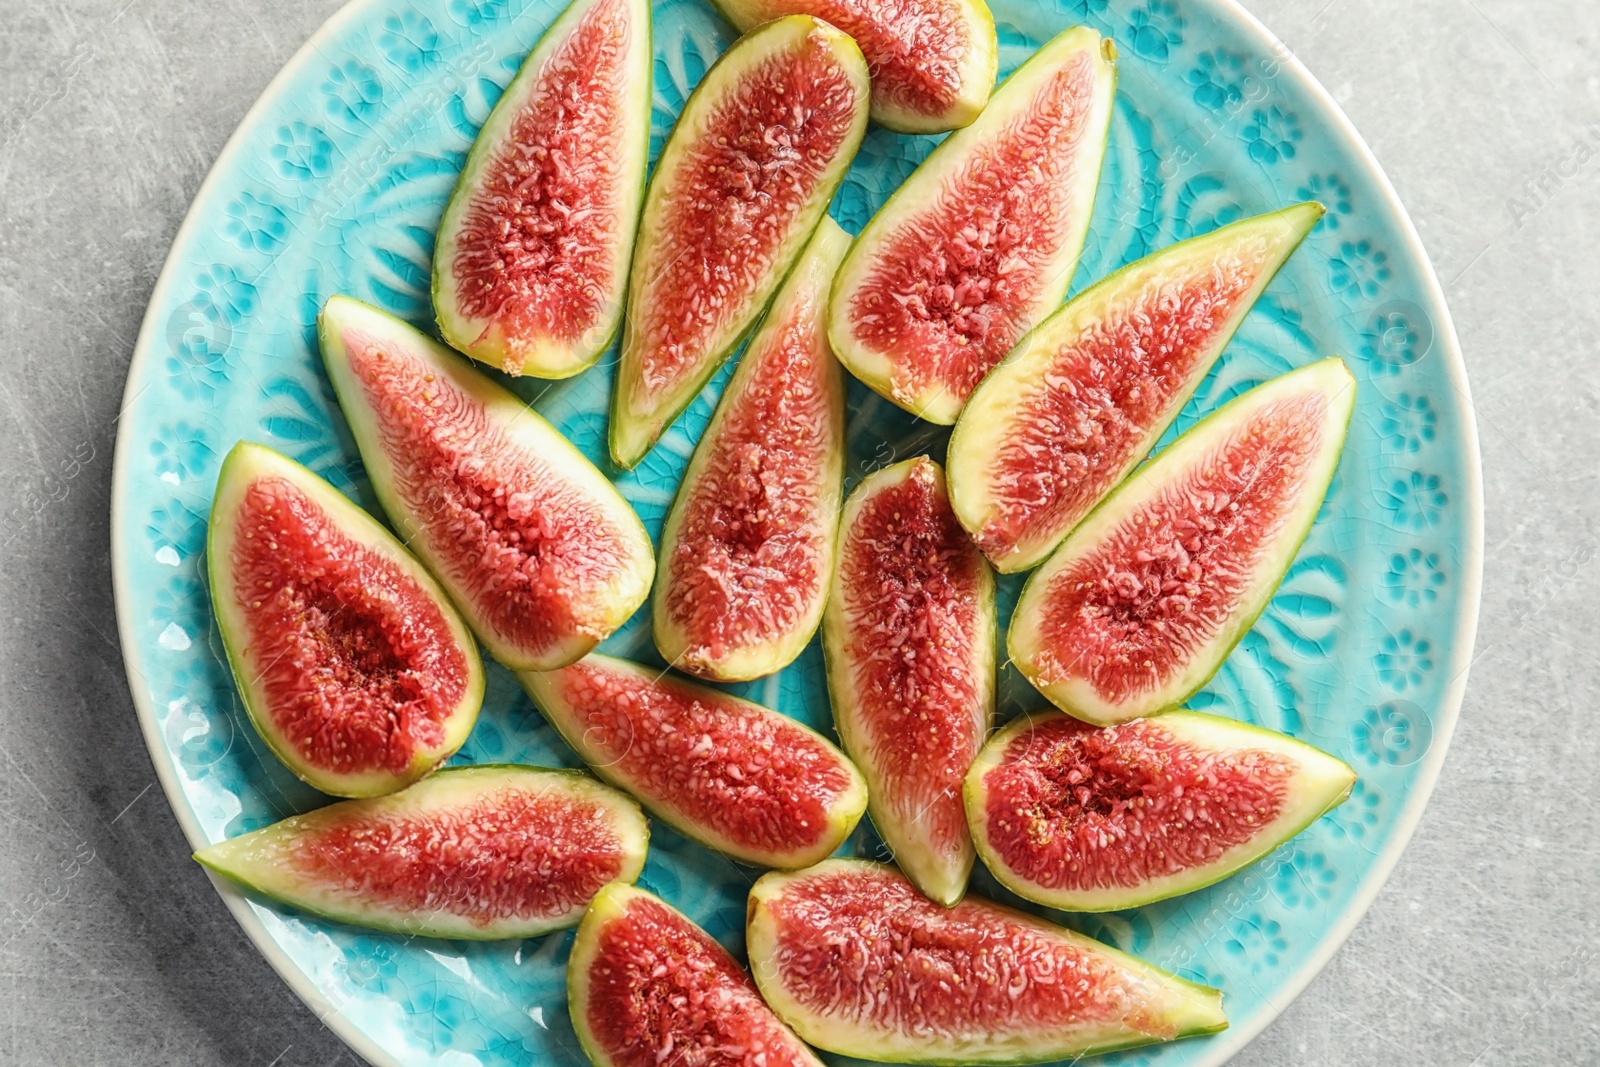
x=1225 y=1044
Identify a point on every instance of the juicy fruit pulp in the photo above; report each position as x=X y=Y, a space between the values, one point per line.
x=352 y=664
x=933 y=61
x=747 y=550
x=909 y=634
x=480 y=853
x=647 y=987
x=539 y=551
x=532 y=254
x=981 y=241
x=1077 y=404
x=733 y=775
x=1145 y=599
x=858 y=962
x=744 y=178
x=1100 y=818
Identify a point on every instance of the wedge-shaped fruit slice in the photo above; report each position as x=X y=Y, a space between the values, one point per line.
x=1101 y=818
x=980 y=243
x=1145 y=599
x=479 y=853
x=539 y=551
x=731 y=774
x=933 y=61
x=353 y=665
x=747 y=551
x=531 y=258
x=909 y=635
x=858 y=962
x=745 y=176
x=1077 y=404
x=648 y=987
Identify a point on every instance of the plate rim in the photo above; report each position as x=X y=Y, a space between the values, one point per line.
x=1224 y=1045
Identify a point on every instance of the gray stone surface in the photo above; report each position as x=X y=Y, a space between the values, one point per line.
x=113 y=947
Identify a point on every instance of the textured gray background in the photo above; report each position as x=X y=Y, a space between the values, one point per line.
x=113 y=947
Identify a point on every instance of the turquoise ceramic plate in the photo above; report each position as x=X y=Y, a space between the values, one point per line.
x=334 y=184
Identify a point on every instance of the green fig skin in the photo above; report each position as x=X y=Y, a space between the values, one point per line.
x=669 y=1005
x=265 y=861
x=1158 y=1005
x=883 y=41
x=428 y=517
x=491 y=339
x=681 y=804
x=930 y=189
x=913 y=791
x=999 y=408
x=638 y=420
x=696 y=645
x=247 y=464
x=1073 y=690
x=1319 y=784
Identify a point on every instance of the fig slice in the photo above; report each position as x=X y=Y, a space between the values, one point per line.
x=909 y=636
x=531 y=258
x=745 y=176
x=737 y=777
x=1076 y=405
x=933 y=61
x=1101 y=818
x=648 y=987
x=352 y=663
x=478 y=853
x=537 y=548
x=1145 y=599
x=980 y=242
x=747 y=550
x=857 y=962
